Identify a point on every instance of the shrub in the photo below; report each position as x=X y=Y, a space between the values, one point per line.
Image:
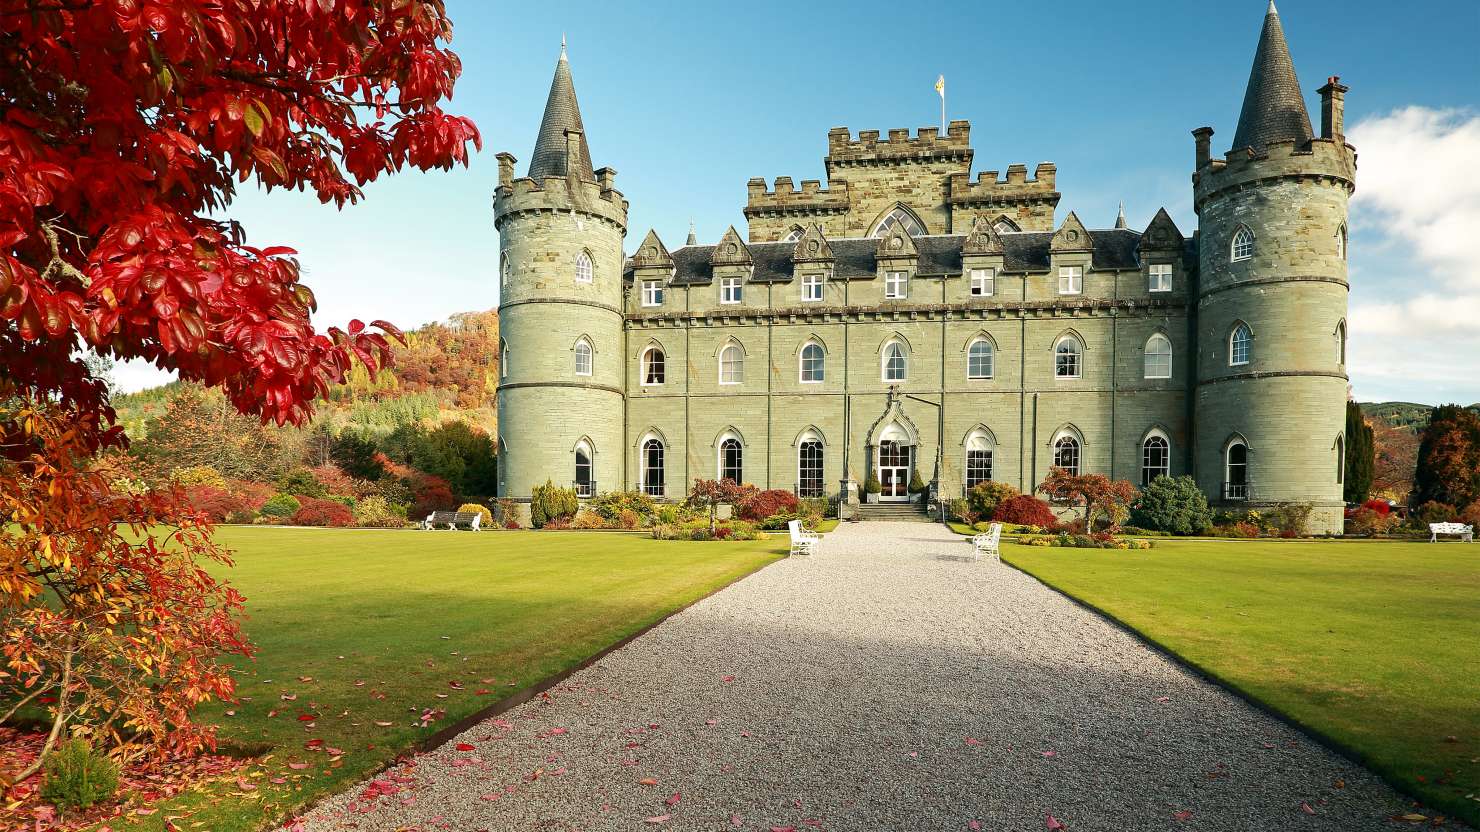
x=665 y=531
x=872 y=485
x=478 y=509
x=1172 y=504
x=611 y=504
x=1290 y=517
x=217 y=504
x=702 y=533
x=507 y=509
x=78 y=777
x=198 y=475
x=280 y=506
x=1366 y=521
x=1380 y=506
x=512 y=524
x=587 y=520
x=1471 y=515
x=300 y=482
x=669 y=515
x=557 y=523
x=959 y=509
x=376 y=512
x=1025 y=510
x=984 y=497
x=1436 y=512
x=336 y=481
x=429 y=493
x=763 y=504
x=1241 y=528
x=551 y=502
x=629 y=519
x=917 y=485
x=316 y=512
x=819 y=506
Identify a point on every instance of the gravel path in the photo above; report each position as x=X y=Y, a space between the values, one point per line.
x=879 y=685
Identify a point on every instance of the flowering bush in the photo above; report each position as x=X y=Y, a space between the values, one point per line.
x=611 y=504
x=1366 y=521
x=1380 y=506
x=429 y=493
x=629 y=519
x=1024 y=510
x=984 y=497
x=198 y=475
x=587 y=520
x=1471 y=514
x=316 y=512
x=763 y=504
x=376 y=512
x=474 y=508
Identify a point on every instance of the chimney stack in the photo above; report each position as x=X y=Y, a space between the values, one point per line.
x=1204 y=138
x=1333 y=109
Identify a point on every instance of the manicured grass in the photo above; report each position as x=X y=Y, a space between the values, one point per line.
x=377 y=626
x=1372 y=645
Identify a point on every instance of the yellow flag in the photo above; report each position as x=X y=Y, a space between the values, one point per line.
x=940 y=86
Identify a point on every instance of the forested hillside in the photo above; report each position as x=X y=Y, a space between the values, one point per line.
x=1406 y=415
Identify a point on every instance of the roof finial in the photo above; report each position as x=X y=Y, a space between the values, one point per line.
x=562 y=37
x=1272 y=9
x=693 y=238
x=1120 y=218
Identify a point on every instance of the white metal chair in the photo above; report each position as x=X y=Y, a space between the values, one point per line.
x=803 y=542
x=987 y=543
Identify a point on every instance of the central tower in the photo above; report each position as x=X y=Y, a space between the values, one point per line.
x=560 y=311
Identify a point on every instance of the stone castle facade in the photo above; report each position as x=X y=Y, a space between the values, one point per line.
x=903 y=319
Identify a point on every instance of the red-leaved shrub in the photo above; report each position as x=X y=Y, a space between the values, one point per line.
x=429 y=493
x=254 y=494
x=1024 y=510
x=763 y=504
x=1379 y=506
x=216 y=504
x=316 y=512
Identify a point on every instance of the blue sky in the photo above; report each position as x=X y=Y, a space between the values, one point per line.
x=688 y=102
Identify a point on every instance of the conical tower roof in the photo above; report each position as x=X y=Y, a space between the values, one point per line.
x=562 y=113
x=1274 y=108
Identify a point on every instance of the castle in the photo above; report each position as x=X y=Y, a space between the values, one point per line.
x=904 y=320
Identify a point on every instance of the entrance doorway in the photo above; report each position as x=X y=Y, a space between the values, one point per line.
x=894 y=471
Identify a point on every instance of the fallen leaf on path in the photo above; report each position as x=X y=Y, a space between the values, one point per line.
x=298 y=766
x=674 y=799
x=1305 y=807
x=736 y=820
x=656 y=819
x=464 y=746
x=973 y=741
x=1182 y=815
x=973 y=825
x=1055 y=823
x=647 y=781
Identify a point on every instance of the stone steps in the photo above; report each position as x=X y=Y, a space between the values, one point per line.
x=899 y=512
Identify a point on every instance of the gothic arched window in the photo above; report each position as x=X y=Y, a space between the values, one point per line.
x=813 y=367
x=1066 y=454
x=899 y=218
x=652 y=468
x=1067 y=355
x=896 y=366
x=583 y=268
x=651 y=366
x=731 y=366
x=731 y=461
x=1242 y=247
x=1156 y=458
x=1240 y=345
x=980 y=359
x=583 y=357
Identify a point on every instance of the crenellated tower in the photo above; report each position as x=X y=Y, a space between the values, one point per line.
x=1272 y=296
x=560 y=394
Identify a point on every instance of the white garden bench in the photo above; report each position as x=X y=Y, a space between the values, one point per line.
x=988 y=543
x=803 y=542
x=452 y=519
x=1465 y=533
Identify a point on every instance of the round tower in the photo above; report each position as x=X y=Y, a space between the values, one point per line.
x=1272 y=297
x=560 y=402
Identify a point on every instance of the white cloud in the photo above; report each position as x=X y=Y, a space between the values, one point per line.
x=1415 y=308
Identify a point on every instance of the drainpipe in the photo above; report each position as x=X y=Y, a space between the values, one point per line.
x=1035 y=441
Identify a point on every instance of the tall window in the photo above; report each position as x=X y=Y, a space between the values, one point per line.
x=1236 y=471
x=1340 y=459
x=583 y=357
x=1341 y=343
x=898 y=218
x=1240 y=345
x=1341 y=242
x=978 y=460
x=1066 y=454
x=979 y=359
x=813 y=368
x=583 y=268
x=1158 y=357
x=809 y=468
x=1242 y=247
x=731 y=366
x=983 y=282
x=730 y=461
x=1067 y=355
x=896 y=367
x=1071 y=280
x=1159 y=278
x=811 y=288
x=652 y=468
x=585 y=483
x=652 y=366
x=503 y=271
x=1156 y=459
x=503 y=359
x=652 y=293
x=896 y=285
x=729 y=290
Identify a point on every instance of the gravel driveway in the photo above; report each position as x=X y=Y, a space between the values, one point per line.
x=879 y=685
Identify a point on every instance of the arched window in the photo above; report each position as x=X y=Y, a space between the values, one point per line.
x=731 y=461
x=1242 y=247
x=1158 y=356
x=583 y=268
x=1236 y=471
x=1067 y=355
x=652 y=468
x=1341 y=343
x=1003 y=225
x=1240 y=345
x=896 y=366
x=1066 y=454
x=1156 y=458
x=1341 y=242
x=899 y=218
x=583 y=357
x=796 y=233
x=809 y=467
x=1340 y=459
x=980 y=359
x=731 y=366
x=978 y=459
x=503 y=270
x=652 y=366
x=813 y=368
x=503 y=358
x=585 y=480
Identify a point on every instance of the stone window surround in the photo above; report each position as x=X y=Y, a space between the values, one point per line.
x=731 y=290
x=645 y=366
x=983 y=282
x=652 y=293
x=1076 y=353
x=821 y=363
x=1159 y=277
x=585 y=267
x=585 y=355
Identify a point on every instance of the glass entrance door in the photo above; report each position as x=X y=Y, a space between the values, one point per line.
x=894 y=472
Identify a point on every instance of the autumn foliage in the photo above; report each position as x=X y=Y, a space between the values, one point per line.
x=1095 y=494
x=124 y=130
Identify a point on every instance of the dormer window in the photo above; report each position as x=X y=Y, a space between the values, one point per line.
x=652 y=293
x=795 y=234
x=896 y=285
x=1159 y=278
x=983 y=282
x=729 y=290
x=901 y=219
x=811 y=288
x=1071 y=280
x=1242 y=247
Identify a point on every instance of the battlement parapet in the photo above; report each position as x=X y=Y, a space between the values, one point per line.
x=1016 y=187
x=927 y=144
x=1321 y=158
x=786 y=199
x=600 y=198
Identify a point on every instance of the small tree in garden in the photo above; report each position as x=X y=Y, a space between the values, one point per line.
x=984 y=497
x=711 y=494
x=1093 y=493
x=1449 y=458
x=1024 y=510
x=1360 y=456
x=1174 y=505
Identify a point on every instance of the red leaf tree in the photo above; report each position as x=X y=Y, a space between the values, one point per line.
x=123 y=126
x=1095 y=494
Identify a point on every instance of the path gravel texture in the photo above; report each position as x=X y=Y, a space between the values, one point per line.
x=882 y=684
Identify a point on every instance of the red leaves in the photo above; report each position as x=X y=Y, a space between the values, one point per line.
x=1054 y=823
x=465 y=746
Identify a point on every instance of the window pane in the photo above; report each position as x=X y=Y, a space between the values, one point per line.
x=978 y=467
x=583 y=359
x=652 y=468
x=730 y=462
x=809 y=469
x=1155 y=459
x=894 y=363
x=731 y=365
x=812 y=366
x=1071 y=280
x=1066 y=454
x=583 y=268
x=652 y=371
x=979 y=360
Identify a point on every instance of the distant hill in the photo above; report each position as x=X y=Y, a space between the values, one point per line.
x=1407 y=415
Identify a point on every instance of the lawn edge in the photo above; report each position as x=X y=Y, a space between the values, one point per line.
x=441 y=736
x=1309 y=732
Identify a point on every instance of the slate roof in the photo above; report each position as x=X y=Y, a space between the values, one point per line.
x=1274 y=107
x=938 y=255
x=562 y=113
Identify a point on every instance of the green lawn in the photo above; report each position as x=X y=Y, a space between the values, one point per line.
x=367 y=627
x=1373 y=645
